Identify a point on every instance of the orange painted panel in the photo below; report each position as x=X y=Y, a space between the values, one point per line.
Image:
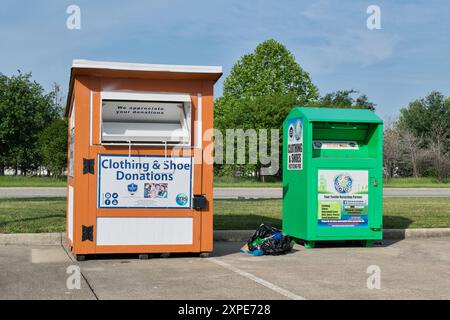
x=87 y=93
x=81 y=151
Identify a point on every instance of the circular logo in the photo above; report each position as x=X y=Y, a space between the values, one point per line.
x=291 y=132
x=115 y=195
x=107 y=202
x=181 y=199
x=108 y=195
x=115 y=202
x=343 y=183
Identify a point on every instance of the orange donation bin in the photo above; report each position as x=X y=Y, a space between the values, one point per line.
x=138 y=177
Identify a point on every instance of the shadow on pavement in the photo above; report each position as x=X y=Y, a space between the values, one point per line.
x=221 y=249
x=351 y=244
x=229 y=248
x=396 y=222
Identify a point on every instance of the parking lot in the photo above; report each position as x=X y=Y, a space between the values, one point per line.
x=410 y=269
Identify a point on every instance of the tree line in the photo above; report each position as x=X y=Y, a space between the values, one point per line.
x=258 y=94
x=33 y=132
x=418 y=142
x=263 y=86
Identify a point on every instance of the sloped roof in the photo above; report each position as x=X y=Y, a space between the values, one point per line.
x=339 y=115
x=139 y=70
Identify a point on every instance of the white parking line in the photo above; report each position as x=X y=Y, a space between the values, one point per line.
x=256 y=279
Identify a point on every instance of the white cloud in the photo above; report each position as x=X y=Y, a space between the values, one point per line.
x=358 y=48
x=317 y=10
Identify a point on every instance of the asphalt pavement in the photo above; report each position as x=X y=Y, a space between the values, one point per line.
x=407 y=269
x=230 y=193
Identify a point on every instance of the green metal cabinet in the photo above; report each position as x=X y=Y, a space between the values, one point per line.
x=332 y=175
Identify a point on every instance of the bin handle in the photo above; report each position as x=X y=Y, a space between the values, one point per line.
x=344 y=128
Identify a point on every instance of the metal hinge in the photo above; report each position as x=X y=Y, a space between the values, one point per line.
x=87 y=233
x=88 y=166
x=199 y=202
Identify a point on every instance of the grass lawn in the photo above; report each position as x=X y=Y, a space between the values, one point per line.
x=18 y=181
x=397 y=213
x=425 y=182
x=48 y=214
x=239 y=182
x=32 y=215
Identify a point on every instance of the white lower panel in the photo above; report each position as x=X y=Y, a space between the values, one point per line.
x=144 y=231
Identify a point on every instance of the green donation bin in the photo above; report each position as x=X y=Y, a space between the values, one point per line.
x=332 y=175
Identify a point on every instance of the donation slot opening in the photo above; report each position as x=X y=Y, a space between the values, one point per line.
x=146 y=122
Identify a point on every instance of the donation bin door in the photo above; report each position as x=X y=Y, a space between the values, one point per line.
x=146 y=178
x=348 y=185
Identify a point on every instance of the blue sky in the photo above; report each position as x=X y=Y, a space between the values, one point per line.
x=408 y=58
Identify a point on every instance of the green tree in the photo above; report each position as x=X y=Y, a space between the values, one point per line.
x=259 y=92
x=424 y=137
x=423 y=116
x=343 y=99
x=25 y=110
x=270 y=70
x=3 y=146
x=257 y=113
x=53 y=147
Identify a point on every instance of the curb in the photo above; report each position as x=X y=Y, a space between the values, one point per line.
x=219 y=235
x=416 y=233
x=388 y=234
x=43 y=239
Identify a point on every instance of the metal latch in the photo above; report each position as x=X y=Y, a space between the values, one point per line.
x=87 y=233
x=200 y=202
x=88 y=166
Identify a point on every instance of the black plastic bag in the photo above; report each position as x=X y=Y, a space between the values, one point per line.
x=270 y=240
